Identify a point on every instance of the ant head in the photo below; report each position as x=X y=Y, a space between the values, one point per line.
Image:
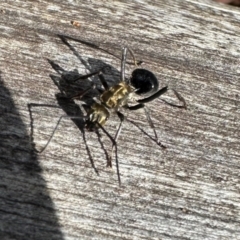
x=144 y=81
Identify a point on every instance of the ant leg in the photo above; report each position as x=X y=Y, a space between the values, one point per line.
x=114 y=144
x=180 y=98
x=136 y=107
x=49 y=140
x=162 y=91
x=136 y=63
x=150 y=122
x=121 y=117
x=123 y=63
x=84 y=138
x=155 y=95
x=83 y=77
x=152 y=126
x=103 y=81
x=93 y=86
x=100 y=76
x=81 y=94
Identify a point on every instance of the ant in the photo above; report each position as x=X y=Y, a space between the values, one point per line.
x=117 y=97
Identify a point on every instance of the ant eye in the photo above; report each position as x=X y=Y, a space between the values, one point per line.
x=144 y=81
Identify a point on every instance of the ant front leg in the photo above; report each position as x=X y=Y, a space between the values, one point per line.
x=154 y=96
x=162 y=91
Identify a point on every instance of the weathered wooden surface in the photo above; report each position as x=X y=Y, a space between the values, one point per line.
x=191 y=190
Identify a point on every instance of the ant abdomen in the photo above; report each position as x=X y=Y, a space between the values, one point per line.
x=144 y=81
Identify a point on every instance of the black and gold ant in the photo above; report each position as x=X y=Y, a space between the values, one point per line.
x=117 y=97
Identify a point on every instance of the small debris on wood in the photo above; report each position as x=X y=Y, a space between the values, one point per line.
x=76 y=23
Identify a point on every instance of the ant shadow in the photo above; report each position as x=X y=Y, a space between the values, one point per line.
x=68 y=87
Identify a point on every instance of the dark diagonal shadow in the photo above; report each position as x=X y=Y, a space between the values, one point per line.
x=26 y=209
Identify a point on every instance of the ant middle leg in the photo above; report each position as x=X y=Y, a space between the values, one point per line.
x=114 y=144
x=180 y=98
x=93 y=85
x=150 y=122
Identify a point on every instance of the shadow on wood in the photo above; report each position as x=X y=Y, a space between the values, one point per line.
x=25 y=204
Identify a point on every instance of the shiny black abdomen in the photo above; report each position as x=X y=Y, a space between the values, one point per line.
x=144 y=80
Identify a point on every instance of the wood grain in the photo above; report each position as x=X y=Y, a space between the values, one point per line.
x=191 y=190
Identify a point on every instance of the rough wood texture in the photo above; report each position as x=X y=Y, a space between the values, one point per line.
x=191 y=190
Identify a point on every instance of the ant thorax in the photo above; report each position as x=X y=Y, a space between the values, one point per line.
x=116 y=96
